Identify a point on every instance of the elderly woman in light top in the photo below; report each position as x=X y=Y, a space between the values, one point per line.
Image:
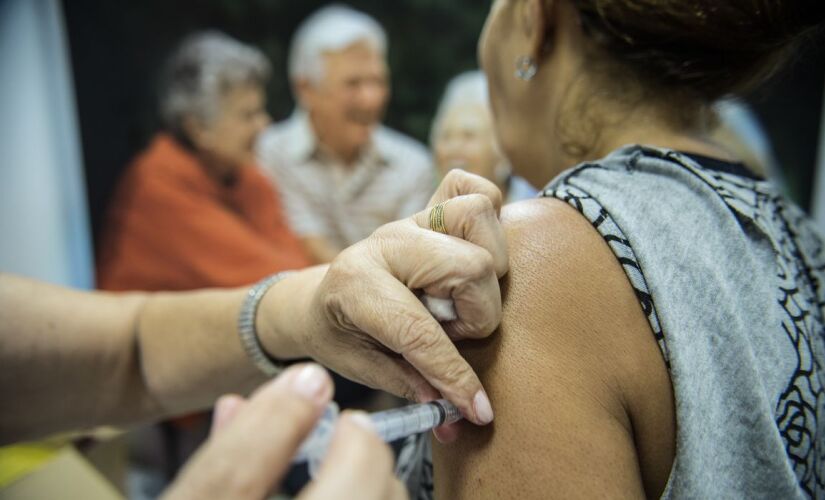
x=462 y=136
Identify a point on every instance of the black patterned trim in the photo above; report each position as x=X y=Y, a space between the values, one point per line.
x=615 y=238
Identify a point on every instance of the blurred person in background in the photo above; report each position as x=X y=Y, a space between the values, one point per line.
x=193 y=210
x=341 y=173
x=463 y=136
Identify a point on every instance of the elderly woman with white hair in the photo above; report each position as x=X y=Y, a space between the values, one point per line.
x=463 y=136
x=193 y=210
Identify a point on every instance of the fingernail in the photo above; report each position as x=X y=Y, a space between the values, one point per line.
x=481 y=405
x=362 y=420
x=311 y=383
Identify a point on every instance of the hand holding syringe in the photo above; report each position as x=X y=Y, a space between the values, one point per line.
x=390 y=425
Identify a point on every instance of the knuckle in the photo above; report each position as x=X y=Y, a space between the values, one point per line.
x=458 y=372
x=344 y=267
x=455 y=177
x=344 y=279
x=390 y=231
x=475 y=184
x=478 y=219
x=480 y=264
x=472 y=330
x=384 y=231
x=389 y=236
x=453 y=376
x=482 y=203
x=486 y=312
x=332 y=307
x=417 y=336
x=449 y=369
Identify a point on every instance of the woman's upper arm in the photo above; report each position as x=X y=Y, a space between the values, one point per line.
x=581 y=394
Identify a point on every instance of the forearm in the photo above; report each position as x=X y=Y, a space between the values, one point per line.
x=188 y=351
x=68 y=358
x=189 y=348
x=76 y=360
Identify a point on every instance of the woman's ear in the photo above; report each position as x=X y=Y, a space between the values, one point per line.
x=537 y=18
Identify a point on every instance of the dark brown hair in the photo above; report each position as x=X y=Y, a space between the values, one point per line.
x=708 y=47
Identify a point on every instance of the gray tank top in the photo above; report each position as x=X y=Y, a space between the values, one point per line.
x=728 y=274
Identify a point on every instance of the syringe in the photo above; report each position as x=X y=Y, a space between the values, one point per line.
x=390 y=425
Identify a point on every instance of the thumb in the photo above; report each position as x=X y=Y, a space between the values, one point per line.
x=250 y=454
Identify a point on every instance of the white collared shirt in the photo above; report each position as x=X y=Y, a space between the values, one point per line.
x=393 y=178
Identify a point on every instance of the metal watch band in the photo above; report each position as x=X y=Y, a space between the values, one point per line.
x=246 y=325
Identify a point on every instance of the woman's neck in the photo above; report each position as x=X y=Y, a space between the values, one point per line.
x=685 y=141
x=649 y=126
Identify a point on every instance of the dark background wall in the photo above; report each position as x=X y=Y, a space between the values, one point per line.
x=117 y=47
x=790 y=108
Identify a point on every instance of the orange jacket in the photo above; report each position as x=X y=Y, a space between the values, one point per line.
x=173 y=227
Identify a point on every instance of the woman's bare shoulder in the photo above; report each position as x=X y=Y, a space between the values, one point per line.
x=575 y=376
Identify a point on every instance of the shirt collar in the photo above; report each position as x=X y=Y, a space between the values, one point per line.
x=303 y=144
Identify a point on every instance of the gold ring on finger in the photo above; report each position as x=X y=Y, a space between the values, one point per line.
x=437 y=218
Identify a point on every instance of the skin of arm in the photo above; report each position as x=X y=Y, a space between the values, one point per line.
x=583 y=399
x=125 y=364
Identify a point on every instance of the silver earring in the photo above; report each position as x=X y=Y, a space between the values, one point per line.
x=526 y=68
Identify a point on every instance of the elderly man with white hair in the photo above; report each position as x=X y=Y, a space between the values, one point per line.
x=341 y=173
